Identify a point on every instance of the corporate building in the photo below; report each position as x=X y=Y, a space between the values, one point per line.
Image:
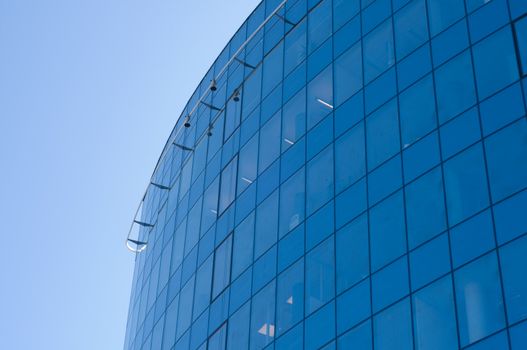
x=348 y=175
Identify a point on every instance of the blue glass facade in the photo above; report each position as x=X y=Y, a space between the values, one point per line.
x=357 y=180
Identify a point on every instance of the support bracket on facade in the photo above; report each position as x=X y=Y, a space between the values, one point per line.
x=162 y=187
x=144 y=224
x=285 y=19
x=183 y=147
x=214 y=108
x=139 y=245
x=243 y=63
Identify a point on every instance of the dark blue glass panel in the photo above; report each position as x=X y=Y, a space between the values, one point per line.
x=349 y=113
x=292 y=203
x=443 y=13
x=292 y=340
x=351 y=203
x=514 y=269
x=479 y=299
x=320 y=136
x=319 y=181
x=495 y=62
x=455 y=87
x=353 y=306
x=358 y=338
x=375 y=14
x=320 y=327
x=507 y=160
x=421 y=156
x=387 y=231
x=472 y=238
x=494 y=116
x=520 y=29
x=382 y=134
x=346 y=36
x=510 y=218
x=466 y=187
x=350 y=158
x=434 y=316
x=291 y=247
x=414 y=67
x=378 y=51
x=487 y=19
x=417 y=111
x=518 y=336
x=290 y=298
x=411 y=28
x=352 y=257
x=394 y=275
x=320 y=225
x=392 y=328
x=429 y=262
x=348 y=74
x=460 y=133
x=385 y=180
x=450 y=42
x=320 y=276
x=343 y=11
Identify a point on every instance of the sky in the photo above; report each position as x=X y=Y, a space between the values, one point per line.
x=89 y=92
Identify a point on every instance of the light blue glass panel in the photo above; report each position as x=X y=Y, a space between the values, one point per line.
x=242 y=255
x=348 y=74
x=319 y=97
x=266 y=224
x=263 y=318
x=320 y=327
x=292 y=203
x=411 y=28
x=319 y=181
x=290 y=298
x=443 y=13
x=353 y=306
x=320 y=276
x=382 y=134
x=294 y=120
x=238 y=337
x=222 y=267
x=350 y=157
x=378 y=51
x=514 y=269
x=395 y=276
x=392 y=328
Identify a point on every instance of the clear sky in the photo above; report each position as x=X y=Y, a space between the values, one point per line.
x=89 y=91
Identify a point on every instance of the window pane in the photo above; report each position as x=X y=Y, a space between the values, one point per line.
x=411 y=28
x=455 y=87
x=358 y=338
x=352 y=253
x=228 y=184
x=203 y=284
x=272 y=69
x=418 y=112
x=387 y=231
x=290 y=297
x=392 y=328
x=378 y=51
x=429 y=261
x=479 y=299
x=514 y=269
x=348 y=74
x=248 y=165
x=319 y=25
x=294 y=120
x=319 y=97
x=319 y=187
x=521 y=40
x=222 y=267
x=269 y=142
x=243 y=246
x=262 y=317
x=434 y=317
x=466 y=186
x=495 y=62
x=350 y=157
x=320 y=327
x=266 y=224
x=320 y=276
x=382 y=134
x=507 y=160
x=292 y=203
x=353 y=306
x=295 y=47
x=238 y=337
x=425 y=208
x=443 y=13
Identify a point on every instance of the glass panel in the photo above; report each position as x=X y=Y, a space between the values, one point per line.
x=350 y=158
x=442 y=13
x=248 y=165
x=411 y=28
x=243 y=246
x=514 y=269
x=520 y=28
x=434 y=317
x=479 y=299
x=290 y=297
x=228 y=184
x=292 y=203
x=395 y=276
x=392 y=328
x=222 y=267
x=320 y=276
x=320 y=327
x=319 y=25
x=262 y=317
x=378 y=51
x=382 y=134
x=294 y=120
x=319 y=180
x=348 y=74
x=319 y=97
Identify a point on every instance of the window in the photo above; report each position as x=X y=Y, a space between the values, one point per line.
x=320 y=225
x=429 y=261
x=351 y=203
x=394 y=275
x=352 y=253
x=264 y=269
x=472 y=238
x=454 y=87
x=291 y=247
x=319 y=97
x=320 y=136
x=488 y=19
x=252 y=90
x=358 y=338
x=319 y=180
x=344 y=10
x=320 y=327
x=495 y=62
x=382 y=134
x=185 y=308
x=238 y=337
x=248 y=165
x=378 y=51
x=387 y=231
x=520 y=30
x=510 y=217
x=320 y=276
x=319 y=25
x=266 y=224
x=443 y=13
x=421 y=156
x=242 y=255
x=222 y=267
x=450 y=42
x=385 y=180
x=240 y=290
x=479 y=299
x=228 y=184
x=292 y=203
x=494 y=116
x=506 y=157
x=263 y=317
x=353 y=306
x=392 y=328
x=203 y=284
x=272 y=69
x=514 y=269
x=295 y=47
x=294 y=120
x=434 y=316
x=460 y=133
x=466 y=186
x=375 y=13
x=411 y=28
x=290 y=298
x=350 y=157
x=348 y=74
x=269 y=142
x=418 y=112
x=292 y=340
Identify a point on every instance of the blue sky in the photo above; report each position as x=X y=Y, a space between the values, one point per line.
x=89 y=91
